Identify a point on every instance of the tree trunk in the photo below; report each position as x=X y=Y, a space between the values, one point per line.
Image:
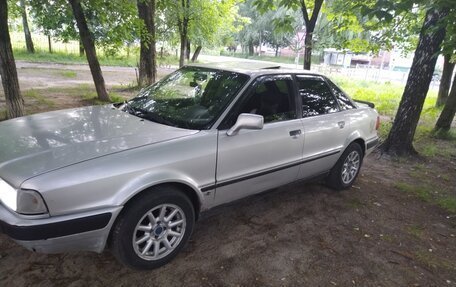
x=28 y=36
x=182 y=23
x=445 y=81
x=277 y=51
x=308 y=51
x=400 y=138
x=259 y=52
x=196 y=54
x=446 y=117
x=251 y=49
x=49 y=44
x=310 y=27
x=8 y=72
x=147 y=57
x=81 y=48
x=183 y=48
x=188 y=50
x=89 y=47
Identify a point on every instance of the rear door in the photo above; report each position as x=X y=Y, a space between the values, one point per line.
x=326 y=128
x=255 y=160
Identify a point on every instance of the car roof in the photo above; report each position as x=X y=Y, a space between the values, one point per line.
x=253 y=68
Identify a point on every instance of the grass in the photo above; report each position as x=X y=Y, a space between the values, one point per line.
x=433 y=261
x=355 y=203
x=415 y=230
x=69 y=74
x=38 y=96
x=448 y=203
x=427 y=194
x=93 y=98
x=64 y=58
x=422 y=192
x=386 y=96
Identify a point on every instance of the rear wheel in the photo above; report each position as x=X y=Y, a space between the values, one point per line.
x=344 y=173
x=153 y=228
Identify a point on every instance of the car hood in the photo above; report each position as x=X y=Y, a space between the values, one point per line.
x=40 y=143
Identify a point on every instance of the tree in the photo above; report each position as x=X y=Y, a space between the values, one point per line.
x=445 y=80
x=183 y=19
x=216 y=22
x=54 y=19
x=400 y=138
x=8 y=72
x=363 y=26
x=446 y=117
x=28 y=36
x=89 y=47
x=147 y=57
x=448 y=51
x=305 y=7
x=111 y=23
x=198 y=21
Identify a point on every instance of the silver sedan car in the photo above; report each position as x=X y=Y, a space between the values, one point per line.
x=135 y=176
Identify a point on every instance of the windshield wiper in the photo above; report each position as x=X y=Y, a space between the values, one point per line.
x=146 y=115
x=158 y=119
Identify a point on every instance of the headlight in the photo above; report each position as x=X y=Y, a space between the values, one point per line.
x=22 y=201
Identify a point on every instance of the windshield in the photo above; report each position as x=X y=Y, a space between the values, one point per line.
x=190 y=98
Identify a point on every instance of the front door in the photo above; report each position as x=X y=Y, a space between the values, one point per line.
x=256 y=160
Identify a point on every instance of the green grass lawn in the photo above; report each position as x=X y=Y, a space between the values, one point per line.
x=63 y=58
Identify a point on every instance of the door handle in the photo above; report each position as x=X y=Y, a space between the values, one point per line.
x=295 y=133
x=341 y=124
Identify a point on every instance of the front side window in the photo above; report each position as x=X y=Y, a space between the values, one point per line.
x=317 y=98
x=191 y=97
x=272 y=99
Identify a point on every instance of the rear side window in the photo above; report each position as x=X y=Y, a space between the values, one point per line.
x=317 y=98
x=344 y=102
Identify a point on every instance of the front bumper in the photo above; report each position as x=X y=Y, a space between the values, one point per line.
x=87 y=231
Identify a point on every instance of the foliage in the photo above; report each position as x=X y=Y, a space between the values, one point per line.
x=113 y=23
x=364 y=26
x=276 y=28
x=217 y=20
x=210 y=22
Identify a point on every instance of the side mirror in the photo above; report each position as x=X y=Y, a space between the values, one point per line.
x=246 y=121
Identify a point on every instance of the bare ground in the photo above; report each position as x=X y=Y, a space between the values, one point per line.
x=395 y=227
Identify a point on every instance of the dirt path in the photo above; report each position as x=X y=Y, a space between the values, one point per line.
x=298 y=235
x=45 y=75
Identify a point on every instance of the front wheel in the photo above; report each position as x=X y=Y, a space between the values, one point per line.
x=344 y=173
x=153 y=228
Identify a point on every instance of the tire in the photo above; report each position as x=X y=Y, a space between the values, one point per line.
x=153 y=228
x=347 y=168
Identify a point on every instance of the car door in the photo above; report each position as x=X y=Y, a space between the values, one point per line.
x=255 y=160
x=326 y=128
